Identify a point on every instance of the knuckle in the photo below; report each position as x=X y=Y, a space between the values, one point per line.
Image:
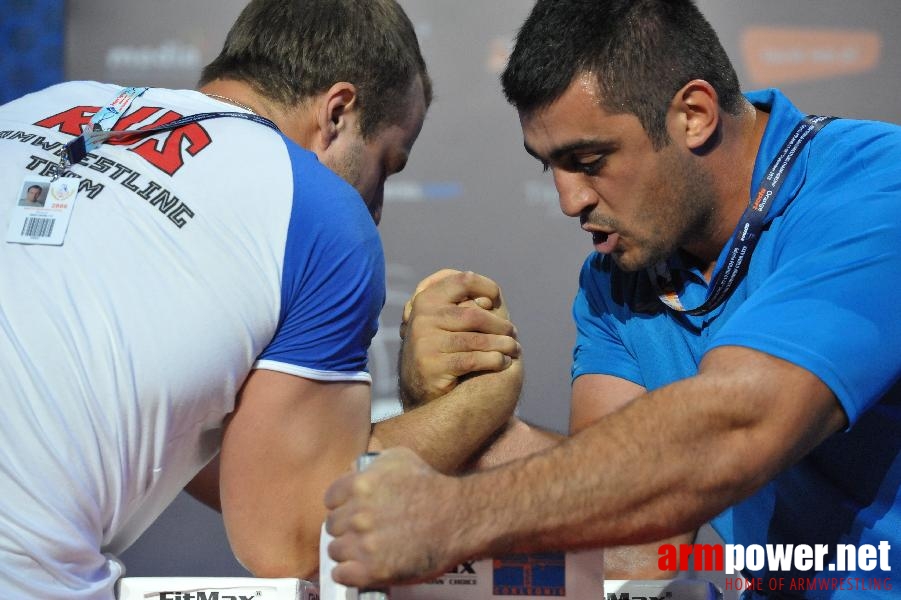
x=362 y=521
x=369 y=544
x=478 y=342
x=466 y=278
x=465 y=363
x=498 y=360
x=472 y=318
x=361 y=486
x=492 y=361
x=460 y=342
x=509 y=345
x=446 y=315
x=471 y=341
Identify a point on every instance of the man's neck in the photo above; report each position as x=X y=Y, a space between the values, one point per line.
x=733 y=170
x=290 y=121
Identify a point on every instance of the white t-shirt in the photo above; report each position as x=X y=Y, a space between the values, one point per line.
x=192 y=256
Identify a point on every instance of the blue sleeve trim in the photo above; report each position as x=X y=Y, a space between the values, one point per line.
x=333 y=280
x=315 y=374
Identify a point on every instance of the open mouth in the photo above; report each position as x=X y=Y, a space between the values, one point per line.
x=605 y=243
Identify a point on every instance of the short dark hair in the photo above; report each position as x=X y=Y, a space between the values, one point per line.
x=641 y=53
x=290 y=50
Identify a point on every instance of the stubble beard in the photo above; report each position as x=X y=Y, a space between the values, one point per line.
x=684 y=214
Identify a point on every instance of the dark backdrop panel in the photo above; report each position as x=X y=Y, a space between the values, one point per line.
x=31 y=46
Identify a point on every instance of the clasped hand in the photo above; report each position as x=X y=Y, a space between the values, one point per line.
x=455 y=324
x=400 y=520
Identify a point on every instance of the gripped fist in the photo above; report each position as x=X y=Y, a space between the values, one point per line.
x=393 y=522
x=455 y=324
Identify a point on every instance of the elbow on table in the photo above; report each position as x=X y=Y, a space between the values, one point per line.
x=271 y=560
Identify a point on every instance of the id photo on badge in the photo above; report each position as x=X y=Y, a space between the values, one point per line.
x=33 y=194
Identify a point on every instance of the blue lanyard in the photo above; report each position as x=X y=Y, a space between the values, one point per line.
x=751 y=224
x=97 y=131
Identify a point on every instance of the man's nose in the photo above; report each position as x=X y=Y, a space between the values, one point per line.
x=575 y=195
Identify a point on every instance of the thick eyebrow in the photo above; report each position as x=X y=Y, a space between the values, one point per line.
x=559 y=153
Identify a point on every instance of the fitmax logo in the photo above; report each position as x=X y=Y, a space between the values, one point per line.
x=463 y=568
x=202 y=595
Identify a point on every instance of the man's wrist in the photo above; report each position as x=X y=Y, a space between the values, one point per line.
x=408 y=399
x=482 y=512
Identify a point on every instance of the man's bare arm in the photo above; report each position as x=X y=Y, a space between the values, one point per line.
x=515 y=439
x=447 y=431
x=289 y=437
x=595 y=397
x=718 y=437
x=287 y=440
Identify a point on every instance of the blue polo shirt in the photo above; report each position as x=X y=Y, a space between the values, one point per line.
x=820 y=292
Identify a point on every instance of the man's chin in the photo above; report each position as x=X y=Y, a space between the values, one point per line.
x=635 y=257
x=631 y=264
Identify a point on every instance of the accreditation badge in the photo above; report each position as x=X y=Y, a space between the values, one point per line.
x=41 y=212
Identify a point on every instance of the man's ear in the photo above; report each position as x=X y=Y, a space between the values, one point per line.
x=338 y=111
x=697 y=111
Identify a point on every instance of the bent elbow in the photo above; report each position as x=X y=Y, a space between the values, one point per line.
x=302 y=563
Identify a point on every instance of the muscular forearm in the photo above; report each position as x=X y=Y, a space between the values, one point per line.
x=592 y=490
x=447 y=431
x=663 y=465
x=515 y=439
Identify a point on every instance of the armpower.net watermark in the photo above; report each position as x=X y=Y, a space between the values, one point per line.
x=805 y=567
